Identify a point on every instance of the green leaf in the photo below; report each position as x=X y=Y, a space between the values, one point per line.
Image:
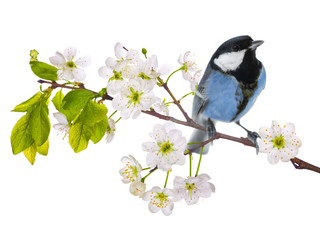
x=57 y=100
x=31 y=153
x=93 y=113
x=98 y=130
x=44 y=148
x=78 y=137
x=77 y=99
x=25 y=106
x=90 y=124
x=21 y=137
x=40 y=123
x=44 y=70
x=74 y=102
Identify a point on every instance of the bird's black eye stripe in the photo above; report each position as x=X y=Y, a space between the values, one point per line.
x=235 y=48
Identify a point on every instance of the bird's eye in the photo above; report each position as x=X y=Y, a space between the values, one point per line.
x=235 y=48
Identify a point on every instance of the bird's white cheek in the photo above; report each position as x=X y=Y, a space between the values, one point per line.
x=230 y=61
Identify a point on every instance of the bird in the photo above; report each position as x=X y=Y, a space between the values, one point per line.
x=229 y=87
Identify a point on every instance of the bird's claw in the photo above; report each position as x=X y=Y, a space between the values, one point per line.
x=252 y=136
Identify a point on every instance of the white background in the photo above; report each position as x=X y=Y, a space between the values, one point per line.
x=80 y=196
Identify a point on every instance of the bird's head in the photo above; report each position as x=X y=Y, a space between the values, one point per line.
x=232 y=53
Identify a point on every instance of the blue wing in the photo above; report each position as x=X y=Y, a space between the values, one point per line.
x=219 y=96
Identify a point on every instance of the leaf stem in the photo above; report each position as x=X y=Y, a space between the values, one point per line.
x=199 y=162
x=190 y=164
x=151 y=171
x=112 y=114
x=165 y=184
x=185 y=96
x=180 y=98
x=118 y=120
x=174 y=73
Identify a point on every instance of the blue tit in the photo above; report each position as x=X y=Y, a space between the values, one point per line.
x=233 y=80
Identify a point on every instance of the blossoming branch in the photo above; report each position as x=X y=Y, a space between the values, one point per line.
x=131 y=76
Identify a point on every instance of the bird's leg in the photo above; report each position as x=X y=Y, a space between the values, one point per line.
x=211 y=129
x=252 y=136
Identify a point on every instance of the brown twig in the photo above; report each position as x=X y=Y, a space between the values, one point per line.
x=244 y=141
x=297 y=163
x=165 y=86
x=300 y=164
x=172 y=119
x=56 y=85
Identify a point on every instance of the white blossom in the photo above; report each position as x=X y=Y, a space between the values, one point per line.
x=134 y=97
x=137 y=188
x=194 y=80
x=280 y=143
x=69 y=66
x=111 y=130
x=118 y=70
x=148 y=69
x=129 y=65
x=192 y=188
x=63 y=126
x=161 y=107
x=159 y=199
x=188 y=64
x=132 y=170
x=166 y=148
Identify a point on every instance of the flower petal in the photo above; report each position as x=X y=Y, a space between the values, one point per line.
x=149 y=146
x=127 y=112
x=119 y=50
x=266 y=133
x=289 y=128
x=58 y=60
x=79 y=74
x=186 y=75
x=168 y=210
x=295 y=142
x=180 y=60
x=152 y=159
x=133 y=56
x=67 y=74
x=276 y=128
x=153 y=208
x=105 y=72
x=61 y=118
x=204 y=177
x=164 y=165
x=61 y=127
x=137 y=188
x=192 y=198
x=83 y=61
x=274 y=156
x=265 y=146
x=156 y=189
x=146 y=196
x=169 y=126
x=186 y=56
x=136 y=113
x=70 y=53
x=178 y=182
x=110 y=62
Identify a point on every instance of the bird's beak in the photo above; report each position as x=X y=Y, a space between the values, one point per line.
x=255 y=44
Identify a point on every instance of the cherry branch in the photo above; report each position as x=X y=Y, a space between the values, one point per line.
x=56 y=85
x=297 y=163
x=186 y=116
